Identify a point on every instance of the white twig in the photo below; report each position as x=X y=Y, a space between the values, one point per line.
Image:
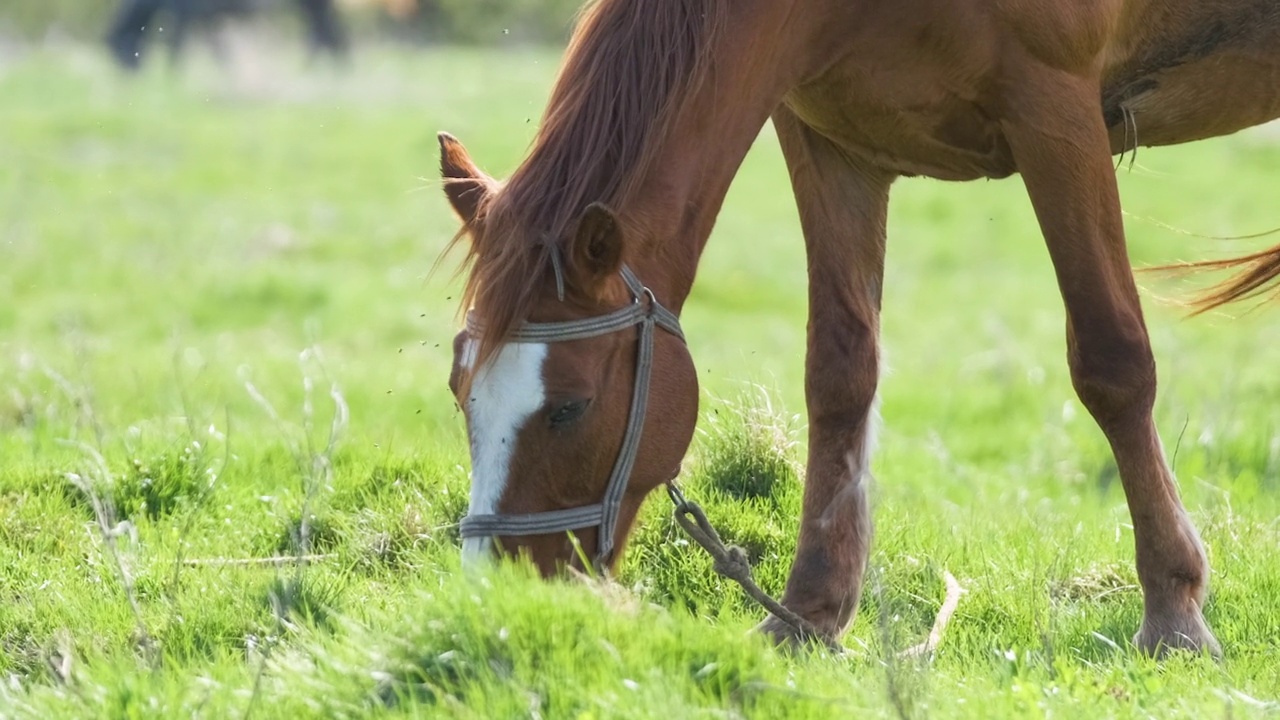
x=276 y=561
x=948 y=609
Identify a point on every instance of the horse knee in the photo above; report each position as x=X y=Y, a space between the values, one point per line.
x=1114 y=377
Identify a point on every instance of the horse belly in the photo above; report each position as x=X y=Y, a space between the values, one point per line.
x=912 y=90
x=938 y=134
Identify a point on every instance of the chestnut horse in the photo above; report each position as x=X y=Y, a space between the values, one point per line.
x=580 y=262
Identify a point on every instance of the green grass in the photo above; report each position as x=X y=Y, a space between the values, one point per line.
x=166 y=242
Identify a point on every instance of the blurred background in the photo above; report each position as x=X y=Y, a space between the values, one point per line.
x=232 y=181
x=480 y=22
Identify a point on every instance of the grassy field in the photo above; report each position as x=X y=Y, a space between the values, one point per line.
x=219 y=341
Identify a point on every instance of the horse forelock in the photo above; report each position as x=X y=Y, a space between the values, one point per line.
x=629 y=69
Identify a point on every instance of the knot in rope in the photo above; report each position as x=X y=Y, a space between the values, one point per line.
x=731 y=562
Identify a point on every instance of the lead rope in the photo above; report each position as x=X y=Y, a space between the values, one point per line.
x=731 y=563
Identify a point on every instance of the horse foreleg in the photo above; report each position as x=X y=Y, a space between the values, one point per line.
x=842 y=213
x=1057 y=134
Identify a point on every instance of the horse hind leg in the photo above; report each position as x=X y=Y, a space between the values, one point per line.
x=1062 y=150
x=842 y=213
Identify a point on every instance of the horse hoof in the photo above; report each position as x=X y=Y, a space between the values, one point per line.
x=1160 y=636
x=784 y=636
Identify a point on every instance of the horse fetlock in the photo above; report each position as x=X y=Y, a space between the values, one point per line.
x=1174 y=573
x=1173 y=597
x=827 y=606
x=1174 y=594
x=830 y=616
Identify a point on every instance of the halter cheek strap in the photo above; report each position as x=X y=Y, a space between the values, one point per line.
x=644 y=311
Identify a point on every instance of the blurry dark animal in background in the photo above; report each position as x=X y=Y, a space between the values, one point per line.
x=127 y=35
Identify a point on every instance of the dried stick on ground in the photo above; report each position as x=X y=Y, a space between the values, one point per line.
x=948 y=609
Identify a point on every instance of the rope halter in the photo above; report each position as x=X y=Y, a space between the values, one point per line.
x=644 y=311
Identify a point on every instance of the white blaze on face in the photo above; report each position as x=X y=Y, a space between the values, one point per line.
x=504 y=393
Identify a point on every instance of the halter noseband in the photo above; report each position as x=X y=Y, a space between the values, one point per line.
x=645 y=311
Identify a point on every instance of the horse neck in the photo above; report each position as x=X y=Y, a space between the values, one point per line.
x=675 y=207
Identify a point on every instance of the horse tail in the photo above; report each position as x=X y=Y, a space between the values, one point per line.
x=1257 y=276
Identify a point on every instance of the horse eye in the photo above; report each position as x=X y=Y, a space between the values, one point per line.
x=567 y=412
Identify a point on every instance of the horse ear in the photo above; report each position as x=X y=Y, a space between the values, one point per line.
x=464 y=184
x=597 y=246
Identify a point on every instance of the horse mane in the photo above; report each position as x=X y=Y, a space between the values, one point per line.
x=630 y=67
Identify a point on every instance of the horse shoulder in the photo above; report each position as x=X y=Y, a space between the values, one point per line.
x=1064 y=34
